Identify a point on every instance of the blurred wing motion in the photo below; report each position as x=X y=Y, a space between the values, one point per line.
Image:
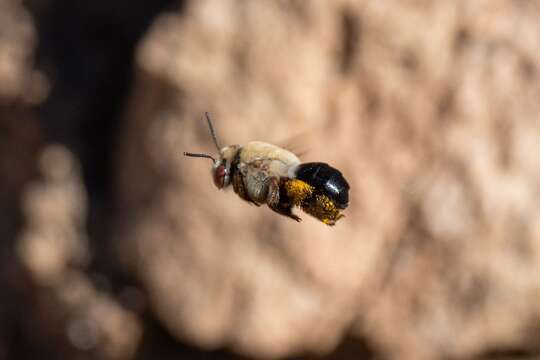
x=299 y=144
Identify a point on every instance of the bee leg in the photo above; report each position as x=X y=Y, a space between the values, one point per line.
x=240 y=189
x=272 y=199
x=286 y=211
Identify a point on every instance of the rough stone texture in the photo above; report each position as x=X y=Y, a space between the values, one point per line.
x=53 y=250
x=16 y=53
x=17 y=123
x=20 y=139
x=50 y=306
x=429 y=108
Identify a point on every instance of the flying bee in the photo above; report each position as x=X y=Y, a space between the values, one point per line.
x=262 y=173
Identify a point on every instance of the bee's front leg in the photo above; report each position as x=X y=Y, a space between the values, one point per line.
x=272 y=199
x=240 y=189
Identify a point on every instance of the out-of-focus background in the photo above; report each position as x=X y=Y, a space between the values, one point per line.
x=114 y=246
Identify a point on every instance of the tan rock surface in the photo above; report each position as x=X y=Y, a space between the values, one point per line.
x=431 y=111
x=53 y=249
x=19 y=133
x=16 y=50
x=429 y=108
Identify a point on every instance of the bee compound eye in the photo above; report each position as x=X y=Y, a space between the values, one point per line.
x=219 y=176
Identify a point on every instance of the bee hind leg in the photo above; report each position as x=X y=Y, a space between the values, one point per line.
x=272 y=199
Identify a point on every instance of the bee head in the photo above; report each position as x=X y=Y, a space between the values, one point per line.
x=221 y=170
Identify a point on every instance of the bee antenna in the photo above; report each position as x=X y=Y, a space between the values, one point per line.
x=199 y=155
x=212 y=132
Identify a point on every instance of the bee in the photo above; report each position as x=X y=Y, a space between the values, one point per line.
x=262 y=173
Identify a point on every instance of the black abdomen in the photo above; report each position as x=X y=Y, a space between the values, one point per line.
x=325 y=180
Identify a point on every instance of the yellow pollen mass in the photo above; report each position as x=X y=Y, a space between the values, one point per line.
x=298 y=190
x=323 y=209
x=317 y=205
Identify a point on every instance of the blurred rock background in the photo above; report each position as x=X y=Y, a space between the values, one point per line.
x=114 y=246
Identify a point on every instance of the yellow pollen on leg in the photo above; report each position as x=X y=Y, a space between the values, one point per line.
x=324 y=209
x=298 y=190
x=319 y=206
